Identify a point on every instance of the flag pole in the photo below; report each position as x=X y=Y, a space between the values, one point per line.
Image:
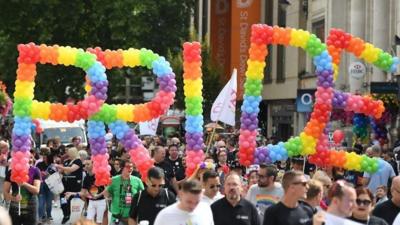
x=211 y=138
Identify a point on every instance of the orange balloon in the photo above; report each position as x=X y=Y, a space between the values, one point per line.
x=258 y=52
x=356 y=46
x=48 y=54
x=113 y=58
x=26 y=72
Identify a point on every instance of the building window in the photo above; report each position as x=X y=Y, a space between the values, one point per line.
x=280 y=64
x=318 y=28
x=269 y=19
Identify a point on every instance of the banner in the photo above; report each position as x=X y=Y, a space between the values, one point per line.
x=149 y=127
x=244 y=14
x=220 y=35
x=224 y=106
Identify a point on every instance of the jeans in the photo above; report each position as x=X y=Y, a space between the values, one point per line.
x=45 y=201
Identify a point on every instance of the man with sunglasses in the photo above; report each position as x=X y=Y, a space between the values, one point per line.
x=211 y=185
x=266 y=192
x=148 y=203
x=122 y=189
x=288 y=211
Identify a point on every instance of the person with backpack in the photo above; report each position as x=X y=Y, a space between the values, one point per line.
x=148 y=203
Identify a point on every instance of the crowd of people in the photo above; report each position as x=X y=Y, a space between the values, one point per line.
x=219 y=192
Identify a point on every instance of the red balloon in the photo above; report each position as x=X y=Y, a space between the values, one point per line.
x=338 y=136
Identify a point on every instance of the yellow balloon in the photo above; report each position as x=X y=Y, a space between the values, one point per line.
x=370 y=53
x=299 y=38
x=192 y=88
x=24 y=89
x=353 y=161
x=125 y=112
x=309 y=143
x=67 y=55
x=255 y=69
x=131 y=57
x=40 y=110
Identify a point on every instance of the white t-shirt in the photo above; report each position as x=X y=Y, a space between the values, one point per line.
x=210 y=201
x=172 y=215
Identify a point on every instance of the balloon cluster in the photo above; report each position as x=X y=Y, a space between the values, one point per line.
x=338 y=40
x=92 y=107
x=379 y=128
x=360 y=125
x=117 y=116
x=25 y=108
x=322 y=156
x=193 y=85
x=312 y=141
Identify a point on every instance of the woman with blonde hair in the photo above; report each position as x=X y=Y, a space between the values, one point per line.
x=72 y=171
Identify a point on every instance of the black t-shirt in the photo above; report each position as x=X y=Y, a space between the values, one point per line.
x=244 y=213
x=179 y=170
x=168 y=173
x=89 y=184
x=279 y=214
x=373 y=220
x=387 y=211
x=148 y=207
x=73 y=181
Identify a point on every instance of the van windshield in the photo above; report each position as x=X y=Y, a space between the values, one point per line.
x=64 y=133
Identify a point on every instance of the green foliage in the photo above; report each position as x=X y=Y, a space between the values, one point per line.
x=157 y=25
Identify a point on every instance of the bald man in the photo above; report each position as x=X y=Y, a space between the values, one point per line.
x=233 y=209
x=388 y=210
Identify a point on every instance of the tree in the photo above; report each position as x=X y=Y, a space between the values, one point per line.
x=157 y=25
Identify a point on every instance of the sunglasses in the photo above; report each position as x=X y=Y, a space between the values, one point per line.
x=158 y=185
x=365 y=202
x=303 y=183
x=215 y=186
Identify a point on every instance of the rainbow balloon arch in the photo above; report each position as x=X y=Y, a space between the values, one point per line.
x=311 y=142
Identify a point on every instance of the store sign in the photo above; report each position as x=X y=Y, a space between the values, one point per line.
x=305 y=100
x=357 y=70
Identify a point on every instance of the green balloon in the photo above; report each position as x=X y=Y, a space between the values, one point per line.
x=22 y=107
x=84 y=60
x=147 y=57
x=107 y=113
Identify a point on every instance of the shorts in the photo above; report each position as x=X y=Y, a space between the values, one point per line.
x=96 y=208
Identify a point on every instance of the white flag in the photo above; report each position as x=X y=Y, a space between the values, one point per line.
x=224 y=106
x=149 y=127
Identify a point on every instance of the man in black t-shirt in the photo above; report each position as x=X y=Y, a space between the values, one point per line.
x=389 y=209
x=176 y=162
x=158 y=155
x=288 y=211
x=233 y=209
x=148 y=203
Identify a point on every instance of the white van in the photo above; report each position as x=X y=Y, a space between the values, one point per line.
x=63 y=130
